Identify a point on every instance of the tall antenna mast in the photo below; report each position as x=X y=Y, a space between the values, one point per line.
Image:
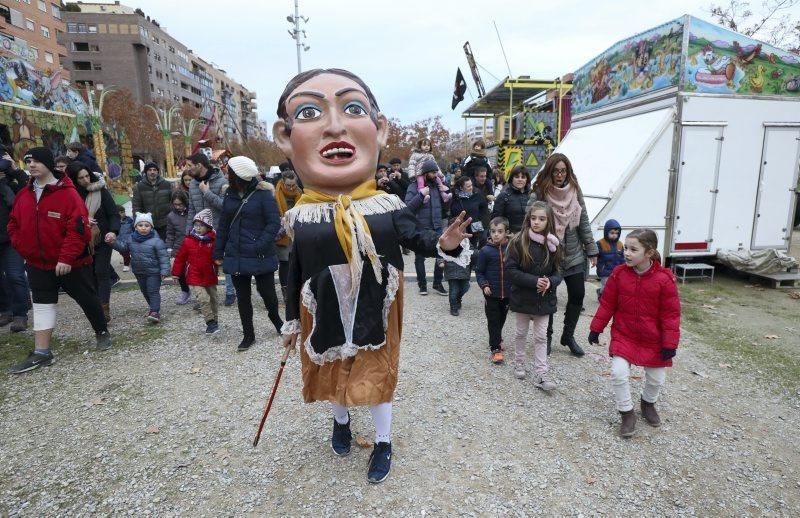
x=502 y=48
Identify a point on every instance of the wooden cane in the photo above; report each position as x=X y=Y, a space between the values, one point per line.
x=272 y=396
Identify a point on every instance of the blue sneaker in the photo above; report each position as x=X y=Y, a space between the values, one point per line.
x=380 y=462
x=341 y=438
x=212 y=327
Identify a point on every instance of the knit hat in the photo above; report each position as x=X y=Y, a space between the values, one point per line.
x=244 y=167
x=143 y=217
x=151 y=165
x=428 y=166
x=204 y=217
x=43 y=155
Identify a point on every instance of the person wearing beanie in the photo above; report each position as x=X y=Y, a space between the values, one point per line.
x=245 y=246
x=149 y=261
x=194 y=261
x=207 y=191
x=152 y=194
x=422 y=162
x=49 y=227
x=428 y=205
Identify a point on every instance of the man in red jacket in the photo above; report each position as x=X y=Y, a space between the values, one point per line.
x=49 y=227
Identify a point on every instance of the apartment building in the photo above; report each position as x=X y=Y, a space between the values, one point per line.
x=113 y=44
x=29 y=31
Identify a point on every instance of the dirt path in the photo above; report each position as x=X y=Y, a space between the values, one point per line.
x=162 y=424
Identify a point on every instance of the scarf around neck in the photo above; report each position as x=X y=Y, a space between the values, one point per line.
x=566 y=209
x=282 y=198
x=552 y=241
x=93 y=200
x=351 y=227
x=139 y=238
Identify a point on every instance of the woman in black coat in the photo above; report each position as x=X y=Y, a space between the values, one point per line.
x=474 y=203
x=104 y=217
x=246 y=242
x=511 y=203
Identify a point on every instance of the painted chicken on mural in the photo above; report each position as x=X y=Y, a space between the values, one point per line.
x=744 y=57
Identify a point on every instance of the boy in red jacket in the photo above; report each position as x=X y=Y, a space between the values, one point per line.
x=642 y=297
x=49 y=227
x=194 y=260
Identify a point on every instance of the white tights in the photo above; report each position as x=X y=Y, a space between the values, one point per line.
x=620 y=373
x=381 y=417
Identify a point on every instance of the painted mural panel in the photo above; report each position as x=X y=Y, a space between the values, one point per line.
x=636 y=66
x=724 y=62
x=22 y=84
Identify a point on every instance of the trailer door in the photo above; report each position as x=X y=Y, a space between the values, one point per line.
x=777 y=180
x=698 y=174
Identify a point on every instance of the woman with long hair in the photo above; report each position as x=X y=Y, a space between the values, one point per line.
x=557 y=184
x=104 y=218
x=512 y=202
x=246 y=242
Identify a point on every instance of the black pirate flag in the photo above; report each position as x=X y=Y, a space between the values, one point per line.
x=459 y=89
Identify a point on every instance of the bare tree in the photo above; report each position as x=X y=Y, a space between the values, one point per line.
x=772 y=23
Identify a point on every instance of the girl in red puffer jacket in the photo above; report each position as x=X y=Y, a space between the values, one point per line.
x=194 y=260
x=642 y=297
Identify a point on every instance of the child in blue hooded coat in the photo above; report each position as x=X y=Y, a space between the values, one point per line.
x=611 y=253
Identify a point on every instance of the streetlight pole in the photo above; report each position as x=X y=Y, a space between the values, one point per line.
x=297 y=34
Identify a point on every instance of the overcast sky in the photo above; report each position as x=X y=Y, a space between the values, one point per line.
x=407 y=51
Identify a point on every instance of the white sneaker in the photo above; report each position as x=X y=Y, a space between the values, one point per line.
x=544 y=382
x=519 y=372
x=126 y=268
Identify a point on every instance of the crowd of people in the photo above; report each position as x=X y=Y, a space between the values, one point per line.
x=524 y=236
x=529 y=235
x=59 y=225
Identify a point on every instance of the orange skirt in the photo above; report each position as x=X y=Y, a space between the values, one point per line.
x=368 y=378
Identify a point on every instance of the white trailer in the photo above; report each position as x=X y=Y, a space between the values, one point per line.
x=710 y=159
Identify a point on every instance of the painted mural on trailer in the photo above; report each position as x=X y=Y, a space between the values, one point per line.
x=21 y=83
x=636 y=66
x=724 y=62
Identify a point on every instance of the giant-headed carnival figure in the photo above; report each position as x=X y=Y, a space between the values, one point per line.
x=345 y=284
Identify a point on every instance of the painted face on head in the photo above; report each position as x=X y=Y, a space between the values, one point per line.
x=635 y=254
x=498 y=233
x=539 y=221
x=334 y=142
x=143 y=227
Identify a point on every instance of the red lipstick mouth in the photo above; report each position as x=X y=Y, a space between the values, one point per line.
x=338 y=151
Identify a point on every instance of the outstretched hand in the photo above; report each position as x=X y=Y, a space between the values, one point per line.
x=455 y=233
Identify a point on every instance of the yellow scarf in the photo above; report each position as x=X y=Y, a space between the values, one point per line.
x=281 y=196
x=351 y=228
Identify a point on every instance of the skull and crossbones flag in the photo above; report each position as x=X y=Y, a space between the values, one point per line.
x=459 y=89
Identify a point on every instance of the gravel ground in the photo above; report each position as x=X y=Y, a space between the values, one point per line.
x=162 y=424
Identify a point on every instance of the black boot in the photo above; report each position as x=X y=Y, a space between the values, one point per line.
x=246 y=342
x=568 y=336
x=549 y=334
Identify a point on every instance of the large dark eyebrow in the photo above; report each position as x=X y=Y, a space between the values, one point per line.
x=349 y=89
x=307 y=92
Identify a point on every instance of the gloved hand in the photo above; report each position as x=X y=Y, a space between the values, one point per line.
x=594 y=338
x=667 y=354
